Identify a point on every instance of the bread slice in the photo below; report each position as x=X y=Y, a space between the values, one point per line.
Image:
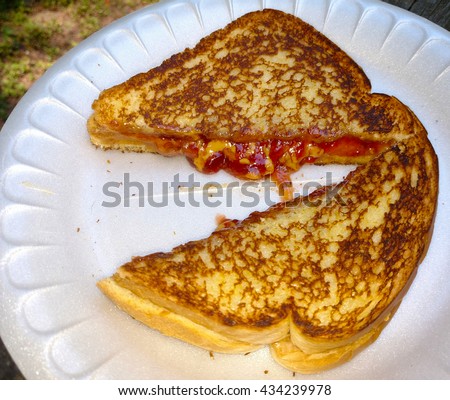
x=322 y=273
x=260 y=97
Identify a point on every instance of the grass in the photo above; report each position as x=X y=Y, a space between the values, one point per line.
x=35 y=33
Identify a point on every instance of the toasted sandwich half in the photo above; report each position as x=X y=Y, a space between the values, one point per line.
x=260 y=97
x=317 y=278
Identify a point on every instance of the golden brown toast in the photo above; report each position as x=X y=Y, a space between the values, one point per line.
x=321 y=274
x=318 y=277
x=267 y=78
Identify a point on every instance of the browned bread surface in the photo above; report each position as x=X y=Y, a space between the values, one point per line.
x=318 y=277
x=266 y=75
x=323 y=270
x=295 y=359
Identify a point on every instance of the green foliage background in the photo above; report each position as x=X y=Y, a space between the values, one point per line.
x=34 y=33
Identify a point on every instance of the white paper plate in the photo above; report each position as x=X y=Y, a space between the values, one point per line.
x=57 y=239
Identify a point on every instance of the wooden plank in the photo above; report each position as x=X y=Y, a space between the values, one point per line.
x=406 y=4
x=437 y=11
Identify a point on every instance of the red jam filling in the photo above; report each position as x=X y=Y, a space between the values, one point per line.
x=275 y=157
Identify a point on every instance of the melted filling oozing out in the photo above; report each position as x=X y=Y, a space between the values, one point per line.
x=276 y=158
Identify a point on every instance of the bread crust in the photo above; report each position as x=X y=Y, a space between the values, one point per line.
x=170 y=323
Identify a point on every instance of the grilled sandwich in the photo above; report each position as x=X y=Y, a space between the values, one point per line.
x=318 y=277
x=258 y=98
